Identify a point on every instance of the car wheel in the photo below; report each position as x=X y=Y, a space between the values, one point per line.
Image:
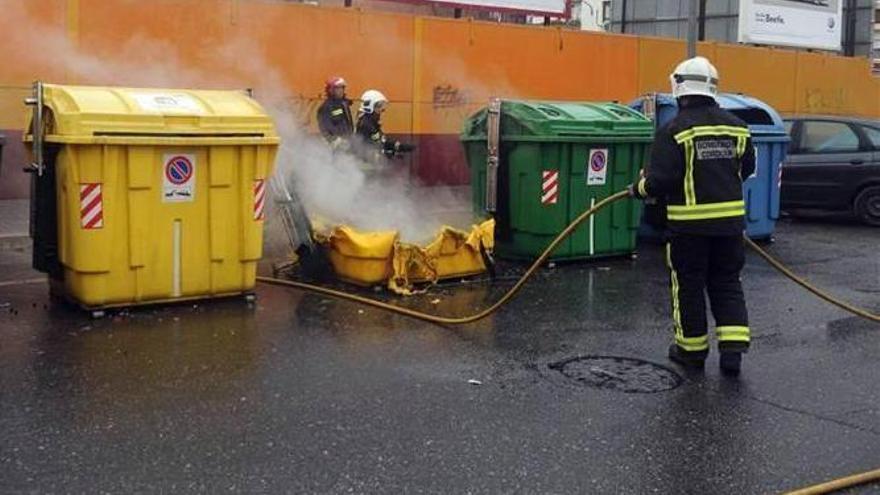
x=867 y=206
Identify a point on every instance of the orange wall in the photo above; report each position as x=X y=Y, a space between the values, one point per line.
x=435 y=70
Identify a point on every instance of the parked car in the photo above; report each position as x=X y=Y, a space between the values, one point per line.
x=833 y=164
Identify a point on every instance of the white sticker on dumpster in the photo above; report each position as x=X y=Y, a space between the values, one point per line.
x=179 y=178
x=167 y=103
x=597 y=167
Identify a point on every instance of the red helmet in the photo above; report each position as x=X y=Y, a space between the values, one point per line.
x=333 y=82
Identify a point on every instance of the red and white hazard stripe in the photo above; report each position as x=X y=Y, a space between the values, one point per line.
x=259 y=199
x=91 y=206
x=550 y=187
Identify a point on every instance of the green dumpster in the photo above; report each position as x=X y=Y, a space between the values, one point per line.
x=553 y=161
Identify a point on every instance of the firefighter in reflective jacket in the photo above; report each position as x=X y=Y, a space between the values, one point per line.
x=334 y=115
x=698 y=162
x=374 y=144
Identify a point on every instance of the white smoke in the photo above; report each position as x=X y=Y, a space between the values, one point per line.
x=334 y=188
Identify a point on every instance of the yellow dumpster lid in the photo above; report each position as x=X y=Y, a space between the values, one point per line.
x=88 y=114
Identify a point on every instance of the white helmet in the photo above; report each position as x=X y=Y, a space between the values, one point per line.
x=695 y=76
x=370 y=99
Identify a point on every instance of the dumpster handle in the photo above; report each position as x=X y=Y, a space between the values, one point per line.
x=36 y=101
x=649 y=107
x=493 y=136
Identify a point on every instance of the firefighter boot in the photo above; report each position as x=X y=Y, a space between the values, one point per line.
x=692 y=360
x=730 y=363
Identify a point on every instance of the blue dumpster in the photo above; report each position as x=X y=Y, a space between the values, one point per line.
x=761 y=191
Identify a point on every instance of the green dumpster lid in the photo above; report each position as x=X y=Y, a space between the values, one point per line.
x=562 y=121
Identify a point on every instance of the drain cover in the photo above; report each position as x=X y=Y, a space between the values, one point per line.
x=622 y=374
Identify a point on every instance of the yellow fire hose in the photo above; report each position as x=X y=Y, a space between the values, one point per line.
x=445 y=320
x=829 y=487
x=810 y=287
x=839 y=484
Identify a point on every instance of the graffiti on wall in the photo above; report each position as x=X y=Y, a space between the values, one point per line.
x=452 y=105
x=447 y=95
x=825 y=100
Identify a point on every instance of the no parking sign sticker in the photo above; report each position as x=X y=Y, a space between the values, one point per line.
x=597 y=167
x=179 y=178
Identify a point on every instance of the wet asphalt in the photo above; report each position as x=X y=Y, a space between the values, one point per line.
x=566 y=390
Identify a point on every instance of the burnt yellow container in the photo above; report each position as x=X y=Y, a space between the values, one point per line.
x=371 y=258
x=161 y=194
x=362 y=258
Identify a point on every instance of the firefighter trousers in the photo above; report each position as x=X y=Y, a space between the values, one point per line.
x=701 y=265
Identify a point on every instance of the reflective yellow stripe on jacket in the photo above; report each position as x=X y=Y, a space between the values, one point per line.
x=710 y=130
x=706 y=211
x=690 y=190
x=643 y=187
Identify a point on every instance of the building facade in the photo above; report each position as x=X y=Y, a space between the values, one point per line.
x=877 y=37
x=719 y=21
x=592 y=15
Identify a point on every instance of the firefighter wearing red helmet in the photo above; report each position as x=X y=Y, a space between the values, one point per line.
x=334 y=114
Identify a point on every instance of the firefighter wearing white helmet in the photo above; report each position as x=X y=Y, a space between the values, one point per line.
x=374 y=143
x=372 y=101
x=698 y=162
x=695 y=77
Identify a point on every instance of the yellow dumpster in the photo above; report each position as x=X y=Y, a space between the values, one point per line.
x=148 y=195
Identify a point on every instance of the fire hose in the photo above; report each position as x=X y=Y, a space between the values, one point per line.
x=810 y=287
x=533 y=268
x=823 y=488
x=445 y=320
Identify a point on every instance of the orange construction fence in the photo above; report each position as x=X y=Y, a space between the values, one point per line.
x=436 y=71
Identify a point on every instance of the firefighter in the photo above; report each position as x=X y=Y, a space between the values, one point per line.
x=334 y=115
x=698 y=162
x=375 y=145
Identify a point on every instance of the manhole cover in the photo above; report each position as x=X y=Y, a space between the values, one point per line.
x=622 y=374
